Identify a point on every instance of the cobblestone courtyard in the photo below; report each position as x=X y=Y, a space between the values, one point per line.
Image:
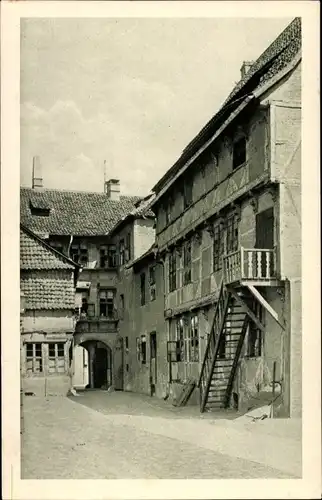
x=101 y=435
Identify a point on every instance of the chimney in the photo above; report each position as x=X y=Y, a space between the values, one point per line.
x=36 y=173
x=112 y=189
x=245 y=68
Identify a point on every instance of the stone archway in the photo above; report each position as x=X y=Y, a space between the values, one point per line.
x=99 y=363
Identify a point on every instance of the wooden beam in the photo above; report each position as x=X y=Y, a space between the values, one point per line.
x=247 y=309
x=265 y=304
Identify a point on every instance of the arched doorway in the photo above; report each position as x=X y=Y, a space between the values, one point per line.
x=99 y=364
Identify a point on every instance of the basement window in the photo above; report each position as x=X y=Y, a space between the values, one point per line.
x=239 y=152
x=56 y=357
x=34 y=358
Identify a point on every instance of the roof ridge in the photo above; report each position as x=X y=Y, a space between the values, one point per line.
x=56 y=190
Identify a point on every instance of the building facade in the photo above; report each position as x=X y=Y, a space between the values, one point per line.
x=77 y=224
x=47 y=283
x=228 y=229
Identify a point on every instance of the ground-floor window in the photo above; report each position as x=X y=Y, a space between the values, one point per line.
x=47 y=358
x=56 y=357
x=34 y=357
x=143 y=349
x=187 y=337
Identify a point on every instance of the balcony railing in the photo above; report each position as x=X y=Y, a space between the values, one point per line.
x=256 y=264
x=86 y=323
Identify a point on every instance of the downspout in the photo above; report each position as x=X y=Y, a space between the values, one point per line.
x=70 y=244
x=162 y=263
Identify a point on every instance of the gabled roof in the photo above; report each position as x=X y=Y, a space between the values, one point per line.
x=49 y=288
x=272 y=61
x=77 y=213
x=141 y=210
x=37 y=255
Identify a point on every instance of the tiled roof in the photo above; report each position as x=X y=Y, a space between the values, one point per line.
x=73 y=212
x=47 y=289
x=273 y=60
x=38 y=255
x=141 y=209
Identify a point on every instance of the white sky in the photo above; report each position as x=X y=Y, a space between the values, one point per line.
x=132 y=92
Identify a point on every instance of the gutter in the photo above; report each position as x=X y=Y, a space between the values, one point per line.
x=204 y=147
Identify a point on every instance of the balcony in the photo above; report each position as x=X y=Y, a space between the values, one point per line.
x=86 y=323
x=255 y=266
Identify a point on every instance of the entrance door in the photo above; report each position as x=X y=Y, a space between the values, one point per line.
x=153 y=362
x=265 y=237
x=100 y=368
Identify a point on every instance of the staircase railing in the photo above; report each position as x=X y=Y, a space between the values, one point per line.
x=236 y=359
x=212 y=345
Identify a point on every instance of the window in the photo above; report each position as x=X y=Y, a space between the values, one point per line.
x=169 y=208
x=152 y=282
x=187 y=335
x=232 y=234
x=172 y=270
x=34 y=359
x=254 y=344
x=142 y=288
x=84 y=306
x=143 y=349
x=111 y=255
x=194 y=341
x=57 y=246
x=56 y=357
x=127 y=253
x=187 y=193
x=239 y=152
x=106 y=303
x=138 y=349
x=107 y=256
x=218 y=247
x=122 y=252
x=122 y=303
x=187 y=263
x=180 y=339
x=79 y=253
x=127 y=343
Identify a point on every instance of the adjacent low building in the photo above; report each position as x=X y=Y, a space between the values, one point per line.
x=47 y=283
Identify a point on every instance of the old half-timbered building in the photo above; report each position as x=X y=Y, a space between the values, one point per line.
x=77 y=223
x=140 y=301
x=47 y=284
x=228 y=228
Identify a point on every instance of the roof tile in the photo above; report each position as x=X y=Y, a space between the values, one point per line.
x=78 y=213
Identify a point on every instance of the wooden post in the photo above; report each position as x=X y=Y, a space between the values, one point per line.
x=273 y=388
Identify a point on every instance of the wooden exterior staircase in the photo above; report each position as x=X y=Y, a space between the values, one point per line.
x=223 y=350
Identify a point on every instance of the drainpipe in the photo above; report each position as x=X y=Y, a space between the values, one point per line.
x=70 y=244
x=161 y=262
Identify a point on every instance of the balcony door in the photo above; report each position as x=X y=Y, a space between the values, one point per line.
x=265 y=240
